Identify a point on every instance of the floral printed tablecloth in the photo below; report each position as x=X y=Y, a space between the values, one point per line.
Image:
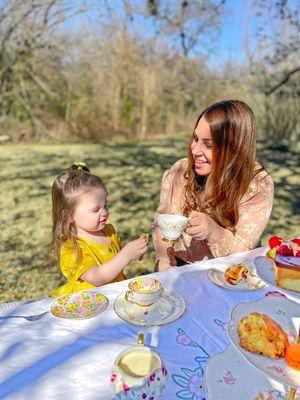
x=54 y=358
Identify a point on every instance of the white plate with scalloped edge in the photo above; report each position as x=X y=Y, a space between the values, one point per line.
x=287 y=314
x=229 y=376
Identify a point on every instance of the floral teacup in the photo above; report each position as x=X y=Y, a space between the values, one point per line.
x=171 y=225
x=138 y=372
x=144 y=291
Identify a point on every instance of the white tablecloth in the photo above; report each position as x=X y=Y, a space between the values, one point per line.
x=54 y=358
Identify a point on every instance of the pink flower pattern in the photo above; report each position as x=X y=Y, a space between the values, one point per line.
x=228 y=378
x=275 y=293
x=125 y=387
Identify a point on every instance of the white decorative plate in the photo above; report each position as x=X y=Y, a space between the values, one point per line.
x=253 y=282
x=287 y=314
x=167 y=309
x=229 y=376
x=265 y=269
x=79 y=305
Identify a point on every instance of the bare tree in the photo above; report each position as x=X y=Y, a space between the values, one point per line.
x=276 y=70
x=191 y=24
x=279 y=36
x=27 y=34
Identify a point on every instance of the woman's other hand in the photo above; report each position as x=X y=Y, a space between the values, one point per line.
x=202 y=227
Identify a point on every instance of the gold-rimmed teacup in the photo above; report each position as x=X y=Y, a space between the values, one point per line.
x=171 y=226
x=144 y=291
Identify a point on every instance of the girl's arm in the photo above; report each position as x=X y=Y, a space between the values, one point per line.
x=101 y=274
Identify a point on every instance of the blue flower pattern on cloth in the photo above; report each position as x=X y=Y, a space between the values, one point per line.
x=221 y=323
x=191 y=381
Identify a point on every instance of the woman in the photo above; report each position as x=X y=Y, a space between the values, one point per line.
x=225 y=192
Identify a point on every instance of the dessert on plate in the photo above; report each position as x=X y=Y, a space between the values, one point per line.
x=260 y=334
x=292 y=356
x=274 y=243
x=286 y=262
x=235 y=274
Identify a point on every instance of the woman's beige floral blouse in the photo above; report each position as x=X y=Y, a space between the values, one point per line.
x=254 y=212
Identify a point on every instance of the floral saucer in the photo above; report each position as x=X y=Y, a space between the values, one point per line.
x=168 y=308
x=217 y=276
x=287 y=314
x=80 y=305
x=229 y=376
x=265 y=269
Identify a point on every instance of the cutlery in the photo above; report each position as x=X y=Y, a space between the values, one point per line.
x=28 y=317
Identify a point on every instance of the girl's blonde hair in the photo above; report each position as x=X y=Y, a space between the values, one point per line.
x=66 y=189
x=233 y=133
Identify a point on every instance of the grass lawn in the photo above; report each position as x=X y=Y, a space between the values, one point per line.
x=132 y=172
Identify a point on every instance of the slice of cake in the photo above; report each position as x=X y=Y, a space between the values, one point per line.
x=235 y=274
x=260 y=334
x=287 y=265
x=287 y=272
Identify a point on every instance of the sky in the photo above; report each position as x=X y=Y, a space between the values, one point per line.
x=237 y=34
x=238 y=24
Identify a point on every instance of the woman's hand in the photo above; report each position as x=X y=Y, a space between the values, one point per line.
x=202 y=227
x=135 y=249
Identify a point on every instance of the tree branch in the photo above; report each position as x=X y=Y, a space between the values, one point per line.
x=283 y=81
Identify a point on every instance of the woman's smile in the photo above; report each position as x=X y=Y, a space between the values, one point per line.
x=200 y=163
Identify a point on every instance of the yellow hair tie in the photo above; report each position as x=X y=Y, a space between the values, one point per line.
x=80 y=165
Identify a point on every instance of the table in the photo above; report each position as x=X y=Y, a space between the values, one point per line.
x=54 y=358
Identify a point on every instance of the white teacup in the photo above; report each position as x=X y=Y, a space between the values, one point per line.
x=171 y=225
x=140 y=369
x=144 y=291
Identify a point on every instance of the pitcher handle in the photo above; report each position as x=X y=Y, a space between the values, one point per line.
x=141 y=338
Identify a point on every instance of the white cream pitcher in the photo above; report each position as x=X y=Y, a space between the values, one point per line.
x=138 y=373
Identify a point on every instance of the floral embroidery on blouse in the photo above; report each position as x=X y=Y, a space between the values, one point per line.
x=254 y=212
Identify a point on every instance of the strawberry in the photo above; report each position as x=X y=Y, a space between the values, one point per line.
x=285 y=250
x=275 y=241
x=297 y=241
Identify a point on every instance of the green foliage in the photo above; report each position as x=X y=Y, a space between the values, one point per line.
x=132 y=172
x=21 y=113
x=127 y=110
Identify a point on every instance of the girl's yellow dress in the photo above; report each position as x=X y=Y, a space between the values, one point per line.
x=92 y=254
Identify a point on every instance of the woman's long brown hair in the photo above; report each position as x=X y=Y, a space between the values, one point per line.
x=66 y=189
x=233 y=132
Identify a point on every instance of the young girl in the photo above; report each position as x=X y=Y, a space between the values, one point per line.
x=88 y=248
x=220 y=186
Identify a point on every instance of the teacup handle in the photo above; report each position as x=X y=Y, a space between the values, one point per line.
x=128 y=297
x=162 y=292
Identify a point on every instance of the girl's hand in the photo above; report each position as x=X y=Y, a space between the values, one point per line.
x=135 y=249
x=202 y=227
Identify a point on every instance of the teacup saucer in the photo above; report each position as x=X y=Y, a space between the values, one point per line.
x=167 y=309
